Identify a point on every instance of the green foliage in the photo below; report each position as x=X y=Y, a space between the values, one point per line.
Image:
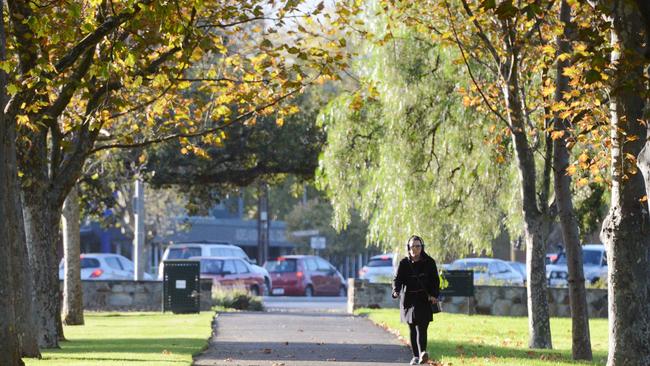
x=590 y=208
x=266 y=151
x=238 y=299
x=406 y=154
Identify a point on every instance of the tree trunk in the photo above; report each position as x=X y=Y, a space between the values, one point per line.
x=538 y=313
x=72 y=290
x=42 y=230
x=24 y=288
x=9 y=230
x=626 y=231
x=581 y=343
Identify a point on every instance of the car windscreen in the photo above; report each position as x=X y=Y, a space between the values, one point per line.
x=285 y=265
x=380 y=262
x=591 y=257
x=89 y=263
x=183 y=253
x=211 y=266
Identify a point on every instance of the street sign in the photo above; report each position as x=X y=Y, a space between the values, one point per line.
x=317 y=242
x=300 y=233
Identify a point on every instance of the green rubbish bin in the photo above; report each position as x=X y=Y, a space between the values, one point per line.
x=181 y=286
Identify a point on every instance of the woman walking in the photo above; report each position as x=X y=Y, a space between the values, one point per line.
x=417 y=284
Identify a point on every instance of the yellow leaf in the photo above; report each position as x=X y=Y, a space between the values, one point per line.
x=557 y=134
x=571 y=170
x=644 y=198
x=583 y=157
x=22 y=119
x=279 y=121
x=582 y=182
x=12 y=89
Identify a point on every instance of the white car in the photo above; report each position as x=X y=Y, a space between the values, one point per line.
x=488 y=271
x=379 y=269
x=206 y=249
x=594 y=262
x=104 y=266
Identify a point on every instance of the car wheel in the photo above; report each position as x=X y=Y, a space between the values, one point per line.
x=267 y=286
x=309 y=291
x=343 y=292
x=255 y=291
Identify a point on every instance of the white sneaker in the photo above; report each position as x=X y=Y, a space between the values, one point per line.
x=415 y=361
x=424 y=357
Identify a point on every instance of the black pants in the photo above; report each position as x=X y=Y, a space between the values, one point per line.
x=418 y=338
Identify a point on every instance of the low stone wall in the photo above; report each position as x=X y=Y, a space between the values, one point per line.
x=489 y=300
x=132 y=295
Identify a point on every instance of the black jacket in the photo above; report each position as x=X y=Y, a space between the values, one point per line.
x=415 y=307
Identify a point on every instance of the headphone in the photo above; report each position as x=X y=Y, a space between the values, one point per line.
x=412 y=238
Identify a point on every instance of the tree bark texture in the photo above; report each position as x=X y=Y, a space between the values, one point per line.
x=72 y=290
x=626 y=231
x=42 y=230
x=538 y=312
x=581 y=342
x=9 y=339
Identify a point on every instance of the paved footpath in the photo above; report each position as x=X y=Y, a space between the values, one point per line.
x=300 y=339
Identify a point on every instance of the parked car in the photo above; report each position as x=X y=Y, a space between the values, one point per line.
x=231 y=273
x=104 y=266
x=594 y=262
x=551 y=258
x=519 y=267
x=305 y=275
x=379 y=269
x=490 y=271
x=210 y=249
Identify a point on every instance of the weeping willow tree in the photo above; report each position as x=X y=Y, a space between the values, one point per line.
x=405 y=152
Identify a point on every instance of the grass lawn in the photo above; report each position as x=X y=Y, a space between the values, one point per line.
x=456 y=339
x=154 y=339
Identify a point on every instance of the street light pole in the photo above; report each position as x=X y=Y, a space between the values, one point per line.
x=138 y=237
x=262 y=224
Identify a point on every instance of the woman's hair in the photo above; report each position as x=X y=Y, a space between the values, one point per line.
x=413 y=238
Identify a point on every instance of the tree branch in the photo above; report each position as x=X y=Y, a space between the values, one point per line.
x=25 y=38
x=242 y=118
x=469 y=69
x=96 y=36
x=481 y=33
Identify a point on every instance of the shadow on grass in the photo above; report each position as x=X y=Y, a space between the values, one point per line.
x=440 y=348
x=132 y=345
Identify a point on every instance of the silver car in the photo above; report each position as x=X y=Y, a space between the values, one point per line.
x=104 y=266
x=490 y=271
x=594 y=261
x=379 y=269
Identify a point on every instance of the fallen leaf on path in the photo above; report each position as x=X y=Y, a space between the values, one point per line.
x=267 y=350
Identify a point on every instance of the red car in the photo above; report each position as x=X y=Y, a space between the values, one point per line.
x=231 y=273
x=306 y=275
